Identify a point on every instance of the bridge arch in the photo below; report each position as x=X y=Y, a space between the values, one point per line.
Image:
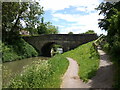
x=46 y=48
x=43 y=42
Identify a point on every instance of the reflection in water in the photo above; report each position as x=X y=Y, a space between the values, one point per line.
x=10 y=69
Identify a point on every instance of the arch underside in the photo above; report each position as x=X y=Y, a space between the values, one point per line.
x=46 y=49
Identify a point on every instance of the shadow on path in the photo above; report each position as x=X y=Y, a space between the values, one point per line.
x=105 y=75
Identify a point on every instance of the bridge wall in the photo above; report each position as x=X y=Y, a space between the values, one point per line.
x=67 y=41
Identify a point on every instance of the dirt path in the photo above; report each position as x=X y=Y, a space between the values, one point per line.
x=103 y=78
x=71 y=78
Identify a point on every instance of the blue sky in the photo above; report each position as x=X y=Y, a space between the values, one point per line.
x=75 y=16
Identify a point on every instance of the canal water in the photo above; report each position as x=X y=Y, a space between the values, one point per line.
x=11 y=69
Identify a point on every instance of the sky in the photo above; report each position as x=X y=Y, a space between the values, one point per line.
x=77 y=16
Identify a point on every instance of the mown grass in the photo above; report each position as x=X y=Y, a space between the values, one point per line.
x=42 y=74
x=87 y=58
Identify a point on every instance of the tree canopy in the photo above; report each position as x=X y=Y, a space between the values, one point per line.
x=111 y=23
x=27 y=16
x=14 y=13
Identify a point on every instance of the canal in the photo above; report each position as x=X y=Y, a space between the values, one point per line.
x=11 y=69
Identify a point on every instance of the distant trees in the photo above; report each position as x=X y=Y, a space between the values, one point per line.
x=70 y=33
x=47 y=28
x=51 y=29
x=90 y=32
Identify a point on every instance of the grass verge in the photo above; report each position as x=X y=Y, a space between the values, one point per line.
x=42 y=74
x=87 y=59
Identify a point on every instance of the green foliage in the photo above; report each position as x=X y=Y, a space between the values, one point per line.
x=8 y=53
x=111 y=23
x=19 y=50
x=42 y=74
x=87 y=58
x=51 y=29
x=47 y=28
x=70 y=33
x=42 y=29
x=90 y=32
x=24 y=48
x=15 y=12
x=106 y=8
x=114 y=34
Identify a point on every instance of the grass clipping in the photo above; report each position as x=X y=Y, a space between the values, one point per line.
x=87 y=58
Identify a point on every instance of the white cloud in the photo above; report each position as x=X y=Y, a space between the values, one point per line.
x=55 y=5
x=82 y=23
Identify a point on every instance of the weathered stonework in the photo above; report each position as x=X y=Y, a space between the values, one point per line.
x=68 y=41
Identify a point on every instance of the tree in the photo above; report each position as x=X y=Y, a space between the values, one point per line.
x=47 y=28
x=106 y=8
x=113 y=36
x=70 y=33
x=33 y=16
x=111 y=23
x=42 y=28
x=15 y=12
x=90 y=32
x=51 y=29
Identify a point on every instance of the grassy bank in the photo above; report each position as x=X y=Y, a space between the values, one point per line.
x=20 y=49
x=47 y=74
x=87 y=58
x=42 y=74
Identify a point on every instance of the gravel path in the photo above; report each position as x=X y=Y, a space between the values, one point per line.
x=103 y=78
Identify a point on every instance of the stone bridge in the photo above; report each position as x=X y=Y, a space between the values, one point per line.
x=43 y=43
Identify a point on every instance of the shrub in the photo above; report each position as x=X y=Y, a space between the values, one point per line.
x=19 y=50
x=8 y=53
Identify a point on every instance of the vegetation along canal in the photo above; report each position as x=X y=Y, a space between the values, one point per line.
x=11 y=69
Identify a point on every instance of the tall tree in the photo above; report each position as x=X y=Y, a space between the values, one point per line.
x=106 y=8
x=111 y=23
x=15 y=12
